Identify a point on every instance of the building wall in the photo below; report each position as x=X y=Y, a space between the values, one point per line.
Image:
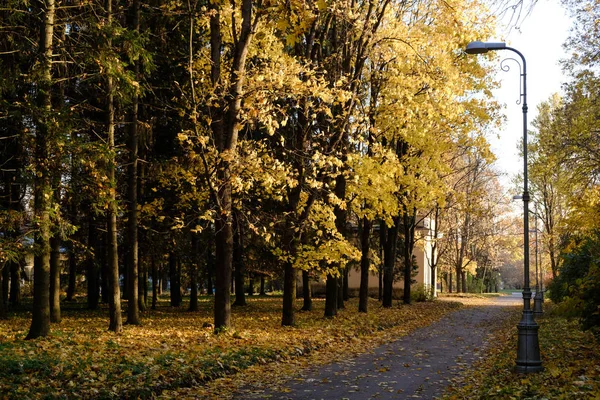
x=422 y=252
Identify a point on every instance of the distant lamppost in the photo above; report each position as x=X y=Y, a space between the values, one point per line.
x=528 y=346
x=538 y=300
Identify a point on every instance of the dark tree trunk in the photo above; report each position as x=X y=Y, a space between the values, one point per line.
x=143 y=287
x=194 y=272
x=389 y=262
x=3 y=303
x=345 y=285
x=380 y=283
x=340 y=292
x=155 y=282
x=408 y=244
x=289 y=295
x=55 y=316
x=363 y=295
x=250 y=285
x=458 y=281
x=164 y=279
x=92 y=272
x=175 y=292
x=306 y=292
x=114 y=290
x=238 y=260
x=5 y=276
x=72 y=275
x=450 y=282
x=463 y=276
x=225 y=128
x=133 y=309
x=224 y=250
x=209 y=272
x=103 y=267
x=262 y=285
x=331 y=303
x=40 y=321
x=340 y=222
x=15 y=284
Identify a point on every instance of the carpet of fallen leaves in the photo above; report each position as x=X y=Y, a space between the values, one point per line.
x=174 y=353
x=571 y=360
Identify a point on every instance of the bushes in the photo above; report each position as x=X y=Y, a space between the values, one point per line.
x=577 y=287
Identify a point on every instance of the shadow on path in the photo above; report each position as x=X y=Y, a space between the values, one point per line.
x=419 y=365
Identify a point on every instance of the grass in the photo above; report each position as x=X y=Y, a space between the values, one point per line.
x=175 y=349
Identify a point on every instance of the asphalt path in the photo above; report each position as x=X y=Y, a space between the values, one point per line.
x=419 y=365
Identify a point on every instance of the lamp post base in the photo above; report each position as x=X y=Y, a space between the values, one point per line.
x=528 y=347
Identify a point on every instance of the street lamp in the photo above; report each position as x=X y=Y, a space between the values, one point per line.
x=528 y=346
x=538 y=300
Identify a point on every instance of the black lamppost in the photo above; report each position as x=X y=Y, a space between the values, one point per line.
x=538 y=300
x=528 y=347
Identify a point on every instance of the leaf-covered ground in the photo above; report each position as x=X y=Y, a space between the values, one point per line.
x=172 y=350
x=571 y=360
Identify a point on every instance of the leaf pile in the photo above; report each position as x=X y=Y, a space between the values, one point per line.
x=176 y=349
x=571 y=360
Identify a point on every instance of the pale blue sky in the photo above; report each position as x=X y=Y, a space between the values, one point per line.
x=540 y=38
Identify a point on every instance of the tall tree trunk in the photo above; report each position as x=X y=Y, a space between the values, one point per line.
x=40 y=321
x=250 y=284
x=3 y=303
x=463 y=277
x=55 y=316
x=15 y=284
x=155 y=282
x=363 y=295
x=92 y=270
x=331 y=303
x=224 y=250
x=209 y=271
x=346 y=288
x=133 y=310
x=103 y=265
x=389 y=262
x=5 y=276
x=143 y=287
x=408 y=243
x=225 y=128
x=194 y=272
x=175 y=292
x=262 y=286
x=114 y=299
x=72 y=274
x=163 y=280
x=306 y=292
x=238 y=260
x=450 y=282
x=458 y=281
x=340 y=223
x=340 y=291
x=289 y=295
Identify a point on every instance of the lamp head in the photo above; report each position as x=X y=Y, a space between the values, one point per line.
x=483 y=47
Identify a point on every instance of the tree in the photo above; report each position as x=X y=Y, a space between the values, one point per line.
x=551 y=184
x=114 y=303
x=133 y=308
x=40 y=322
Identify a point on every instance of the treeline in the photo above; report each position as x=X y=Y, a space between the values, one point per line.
x=566 y=171
x=209 y=137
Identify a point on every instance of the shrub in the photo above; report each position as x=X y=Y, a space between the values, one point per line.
x=577 y=287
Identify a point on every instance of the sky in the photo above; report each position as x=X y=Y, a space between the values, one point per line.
x=539 y=37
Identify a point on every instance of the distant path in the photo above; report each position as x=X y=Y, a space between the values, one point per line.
x=419 y=365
